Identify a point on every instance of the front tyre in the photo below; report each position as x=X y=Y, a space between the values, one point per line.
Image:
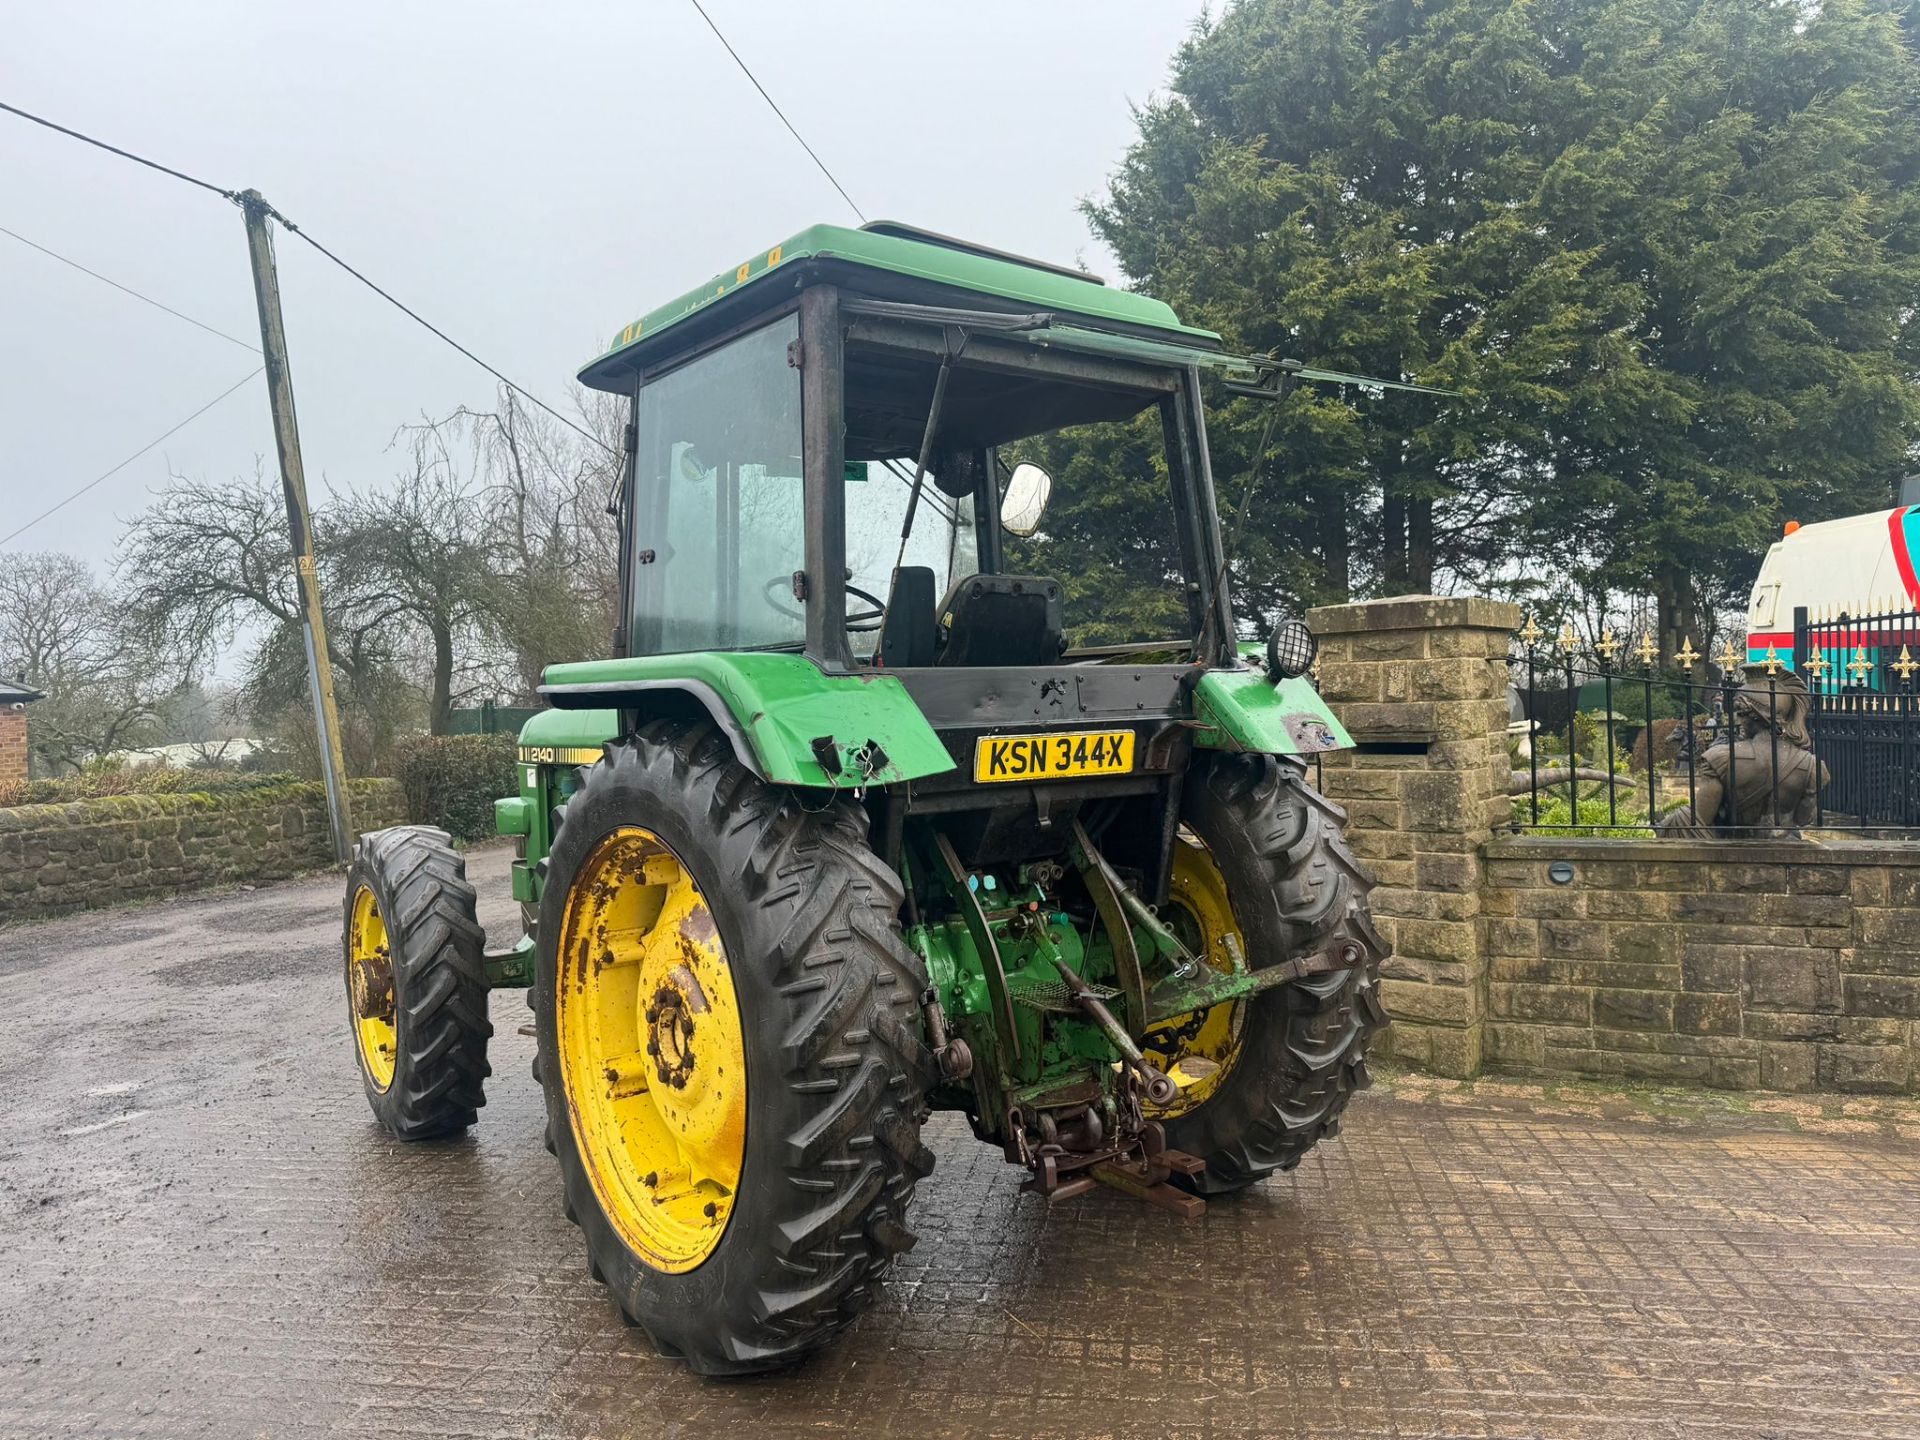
x=1263 y=875
x=727 y=1033
x=416 y=982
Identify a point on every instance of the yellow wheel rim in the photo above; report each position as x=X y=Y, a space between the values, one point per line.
x=1198 y=1050
x=652 y=1055
x=370 y=988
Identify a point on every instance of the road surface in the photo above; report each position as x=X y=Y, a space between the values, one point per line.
x=203 y=1233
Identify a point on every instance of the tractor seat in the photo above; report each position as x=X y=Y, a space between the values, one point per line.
x=1002 y=620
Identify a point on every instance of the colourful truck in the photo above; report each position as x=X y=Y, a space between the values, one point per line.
x=1857 y=566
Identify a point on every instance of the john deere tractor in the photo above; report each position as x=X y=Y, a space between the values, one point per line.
x=851 y=829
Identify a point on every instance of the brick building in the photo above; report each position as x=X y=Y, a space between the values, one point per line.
x=14 y=699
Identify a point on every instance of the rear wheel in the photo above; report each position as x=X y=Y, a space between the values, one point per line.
x=728 y=1043
x=416 y=982
x=1262 y=875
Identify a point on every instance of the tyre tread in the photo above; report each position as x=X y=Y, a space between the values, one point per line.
x=1320 y=888
x=827 y=928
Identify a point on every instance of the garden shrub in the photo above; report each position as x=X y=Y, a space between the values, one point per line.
x=452 y=780
x=1628 y=818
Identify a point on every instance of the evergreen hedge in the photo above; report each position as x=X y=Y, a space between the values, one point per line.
x=452 y=780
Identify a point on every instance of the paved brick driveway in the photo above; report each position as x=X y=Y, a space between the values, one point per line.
x=202 y=1233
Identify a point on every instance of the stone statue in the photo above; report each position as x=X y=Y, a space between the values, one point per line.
x=1734 y=777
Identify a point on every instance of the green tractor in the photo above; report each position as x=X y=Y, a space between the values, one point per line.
x=850 y=831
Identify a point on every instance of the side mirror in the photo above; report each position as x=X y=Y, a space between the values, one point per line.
x=1026 y=499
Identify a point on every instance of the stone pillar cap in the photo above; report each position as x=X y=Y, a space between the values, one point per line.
x=1415 y=612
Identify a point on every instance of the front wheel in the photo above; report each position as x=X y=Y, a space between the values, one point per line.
x=1262 y=875
x=728 y=1041
x=416 y=982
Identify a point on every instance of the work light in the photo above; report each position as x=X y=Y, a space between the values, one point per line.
x=1290 y=650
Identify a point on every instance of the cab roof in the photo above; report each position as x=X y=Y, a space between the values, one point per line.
x=898 y=261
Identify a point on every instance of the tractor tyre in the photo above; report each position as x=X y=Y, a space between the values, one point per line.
x=416 y=982
x=1261 y=857
x=726 y=1017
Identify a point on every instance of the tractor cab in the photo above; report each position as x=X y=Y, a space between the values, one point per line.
x=837 y=460
x=822 y=441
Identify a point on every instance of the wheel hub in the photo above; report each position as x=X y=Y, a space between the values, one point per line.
x=1196 y=1051
x=652 y=1053
x=670 y=1037
x=372 y=982
x=370 y=988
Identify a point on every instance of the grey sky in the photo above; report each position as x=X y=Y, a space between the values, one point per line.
x=528 y=177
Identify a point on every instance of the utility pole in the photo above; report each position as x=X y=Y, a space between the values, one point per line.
x=293 y=480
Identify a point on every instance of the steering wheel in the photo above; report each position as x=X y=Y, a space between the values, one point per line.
x=777 y=589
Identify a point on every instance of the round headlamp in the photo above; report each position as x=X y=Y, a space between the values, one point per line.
x=1290 y=650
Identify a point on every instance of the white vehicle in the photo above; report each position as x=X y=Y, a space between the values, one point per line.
x=1863 y=565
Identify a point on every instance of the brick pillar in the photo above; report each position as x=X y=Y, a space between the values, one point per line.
x=1421 y=682
x=13 y=744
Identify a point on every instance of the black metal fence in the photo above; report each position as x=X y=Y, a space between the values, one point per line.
x=1861 y=671
x=1612 y=736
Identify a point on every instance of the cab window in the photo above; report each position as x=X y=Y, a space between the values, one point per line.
x=718 y=530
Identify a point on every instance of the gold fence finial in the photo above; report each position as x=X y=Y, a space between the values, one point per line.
x=1772 y=661
x=1818 y=664
x=1906 y=664
x=1568 y=641
x=1607 y=645
x=1647 y=650
x=1530 y=634
x=1729 y=658
x=1687 y=657
x=1860 y=666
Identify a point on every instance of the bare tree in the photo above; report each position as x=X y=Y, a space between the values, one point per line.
x=491 y=557
x=209 y=559
x=555 y=556
x=418 y=555
x=209 y=563
x=64 y=633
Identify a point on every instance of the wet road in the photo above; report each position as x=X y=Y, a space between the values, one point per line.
x=203 y=1233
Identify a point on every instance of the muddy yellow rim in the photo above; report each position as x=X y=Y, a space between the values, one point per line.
x=652 y=1054
x=370 y=988
x=1198 y=1050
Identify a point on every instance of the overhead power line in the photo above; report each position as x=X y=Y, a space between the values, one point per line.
x=116 y=150
x=99 y=479
x=778 y=111
x=127 y=289
x=418 y=319
x=294 y=229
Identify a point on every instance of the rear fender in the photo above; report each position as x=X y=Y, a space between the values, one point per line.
x=788 y=721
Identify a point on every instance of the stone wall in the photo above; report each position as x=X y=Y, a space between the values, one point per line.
x=56 y=858
x=1740 y=964
x=1779 y=965
x=13 y=745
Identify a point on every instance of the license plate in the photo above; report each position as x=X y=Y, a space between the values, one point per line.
x=1052 y=757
